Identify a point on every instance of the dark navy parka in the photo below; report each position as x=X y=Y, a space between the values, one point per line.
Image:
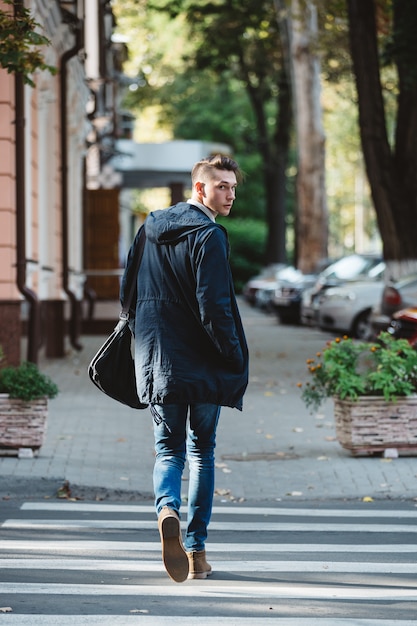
x=189 y=341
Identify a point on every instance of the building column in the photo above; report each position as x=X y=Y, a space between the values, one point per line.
x=11 y=330
x=53 y=327
x=177 y=192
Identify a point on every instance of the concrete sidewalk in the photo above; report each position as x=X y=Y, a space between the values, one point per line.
x=273 y=450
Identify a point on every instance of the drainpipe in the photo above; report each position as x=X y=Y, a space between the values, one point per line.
x=33 y=331
x=75 y=314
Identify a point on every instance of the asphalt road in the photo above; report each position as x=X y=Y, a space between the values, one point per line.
x=301 y=565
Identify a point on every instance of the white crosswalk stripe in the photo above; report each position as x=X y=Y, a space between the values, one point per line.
x=296 y=566
x=161 y=620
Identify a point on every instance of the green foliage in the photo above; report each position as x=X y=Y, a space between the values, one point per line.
x=223 y=85
x=199 y=105
x=247 y=243
x=348 y=369
x=19 y=43
x=26 y=382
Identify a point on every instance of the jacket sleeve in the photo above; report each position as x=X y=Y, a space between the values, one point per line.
x=128 y=276
x=216 y=299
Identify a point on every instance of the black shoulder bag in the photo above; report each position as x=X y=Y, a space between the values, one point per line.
x=112 y=369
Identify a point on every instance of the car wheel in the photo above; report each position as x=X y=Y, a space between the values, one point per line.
x=287 y=318
x=362 y=328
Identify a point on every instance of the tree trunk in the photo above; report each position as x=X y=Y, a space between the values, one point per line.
x=275 y=159
x=392 y=173
x=312 y=218
x=276 y=176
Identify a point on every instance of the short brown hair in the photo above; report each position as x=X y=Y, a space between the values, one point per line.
x=218 y=162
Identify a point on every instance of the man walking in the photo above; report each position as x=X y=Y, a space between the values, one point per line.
x=191 y=356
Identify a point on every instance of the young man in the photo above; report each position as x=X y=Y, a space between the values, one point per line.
x=191 y=356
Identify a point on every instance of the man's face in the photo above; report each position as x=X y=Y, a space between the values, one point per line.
x=219 y=192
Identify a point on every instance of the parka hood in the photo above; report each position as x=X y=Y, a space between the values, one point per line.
x=173 y=224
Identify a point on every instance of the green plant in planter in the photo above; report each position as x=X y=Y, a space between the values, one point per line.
x=26 y=382
x=347 y=369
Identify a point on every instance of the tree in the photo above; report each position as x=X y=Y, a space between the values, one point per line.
x=19 y=43
x=241 y=39
x=300 y=21
x=383 y=32
x=202 y=104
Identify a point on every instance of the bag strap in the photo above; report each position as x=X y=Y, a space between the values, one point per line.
x=138 y=253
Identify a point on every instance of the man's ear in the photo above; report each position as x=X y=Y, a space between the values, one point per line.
x=199 y=187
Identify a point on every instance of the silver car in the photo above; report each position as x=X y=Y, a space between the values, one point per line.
x=353 y=267
x=347 y=308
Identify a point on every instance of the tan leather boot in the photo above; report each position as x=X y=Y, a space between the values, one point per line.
x=173 y=554
x=199 y=568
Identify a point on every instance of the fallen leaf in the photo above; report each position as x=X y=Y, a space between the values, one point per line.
x=367 y=499
x=64 y=491
x=222 y=492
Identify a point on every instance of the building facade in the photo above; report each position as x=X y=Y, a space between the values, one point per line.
x=55 y=141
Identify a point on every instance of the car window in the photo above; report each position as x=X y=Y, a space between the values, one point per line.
x=349 y=267
x=407 y=282
x=377 y=271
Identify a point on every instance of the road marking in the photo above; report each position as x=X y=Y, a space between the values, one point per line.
x=142 y=546
x=71 y=524
x=183 y=620
x=250 y=582
x=217 y=510
x=99 y=565
x=207 y=590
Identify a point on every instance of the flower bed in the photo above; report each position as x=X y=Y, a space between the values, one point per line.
x=349 y=370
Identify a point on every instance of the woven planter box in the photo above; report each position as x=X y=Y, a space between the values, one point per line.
x=371 y=424
x=22 y=424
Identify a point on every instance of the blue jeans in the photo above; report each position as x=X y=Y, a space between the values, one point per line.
x=173 y=444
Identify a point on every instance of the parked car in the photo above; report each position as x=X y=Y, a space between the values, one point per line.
x=286 y=299
x=349 y=268
x=264 y=298
x=404 y=325
x=347 y=308
x=264 y=279
x=395 y=296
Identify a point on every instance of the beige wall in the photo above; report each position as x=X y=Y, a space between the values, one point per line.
x=8 y=289
x=43 y=187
